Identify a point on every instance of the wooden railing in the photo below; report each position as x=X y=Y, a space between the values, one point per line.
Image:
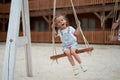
x=41 y=37
x=48 y=4
x=99 y=37
x=94 y=37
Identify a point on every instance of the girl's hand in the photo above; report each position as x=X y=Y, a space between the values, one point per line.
x=52 y=26
x=78 y=23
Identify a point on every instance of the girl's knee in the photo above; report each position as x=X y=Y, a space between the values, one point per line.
x=73 y=51
x=67 y=53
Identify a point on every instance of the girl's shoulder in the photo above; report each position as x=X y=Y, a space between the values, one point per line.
x=71 y=27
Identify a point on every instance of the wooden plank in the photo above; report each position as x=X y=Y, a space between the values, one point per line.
x=83 y=9
x=37 y=5
x=47 y=4
x=77 y=51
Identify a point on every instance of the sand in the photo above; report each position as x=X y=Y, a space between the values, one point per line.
x=103 y=64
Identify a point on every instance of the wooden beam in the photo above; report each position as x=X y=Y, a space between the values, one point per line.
x=102 y=18
x=103 y=15
x=97 y=15
x=80 y=9
x=110 y=13
x=46 y=19
x=78 y=52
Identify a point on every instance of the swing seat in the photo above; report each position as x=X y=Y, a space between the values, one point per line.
x=77 y=51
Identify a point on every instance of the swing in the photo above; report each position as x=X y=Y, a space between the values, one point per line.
x=115 y=24
x=77 y=51
x=87 y=49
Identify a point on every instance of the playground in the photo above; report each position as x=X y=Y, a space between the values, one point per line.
x=22 y=60
x=103 y=64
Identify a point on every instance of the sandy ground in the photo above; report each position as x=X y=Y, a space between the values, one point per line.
x=103 y=64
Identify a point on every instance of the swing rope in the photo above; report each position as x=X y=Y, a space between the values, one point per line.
x=53 y=31
x=78 y=26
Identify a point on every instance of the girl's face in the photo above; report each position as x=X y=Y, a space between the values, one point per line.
x=61 y=22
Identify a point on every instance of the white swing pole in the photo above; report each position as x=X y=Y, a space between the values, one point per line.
x=26 y=34
x=13 y=39
x=10 y=49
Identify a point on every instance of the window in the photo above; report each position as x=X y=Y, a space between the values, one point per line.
x=91 y=24
x=88 y=24
x=41 y=26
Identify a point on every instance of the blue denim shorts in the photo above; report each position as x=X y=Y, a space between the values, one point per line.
x=75 y=46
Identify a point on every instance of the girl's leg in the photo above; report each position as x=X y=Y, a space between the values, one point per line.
x=70 y=58
x=72 y=50
x=83 y=67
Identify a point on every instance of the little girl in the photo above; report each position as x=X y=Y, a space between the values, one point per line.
x=69 y=41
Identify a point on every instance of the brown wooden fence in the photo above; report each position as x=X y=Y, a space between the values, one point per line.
x=94 y=37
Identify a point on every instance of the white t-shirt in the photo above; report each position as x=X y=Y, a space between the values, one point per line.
x=69 y=29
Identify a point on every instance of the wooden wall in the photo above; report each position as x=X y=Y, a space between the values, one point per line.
x=93 y=37
x=48 y=4
x=98 y=36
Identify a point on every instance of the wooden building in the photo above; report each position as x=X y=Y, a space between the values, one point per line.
x=96 y=17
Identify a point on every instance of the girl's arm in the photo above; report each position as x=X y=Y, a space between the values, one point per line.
x=77 y=32
x=55 y=33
